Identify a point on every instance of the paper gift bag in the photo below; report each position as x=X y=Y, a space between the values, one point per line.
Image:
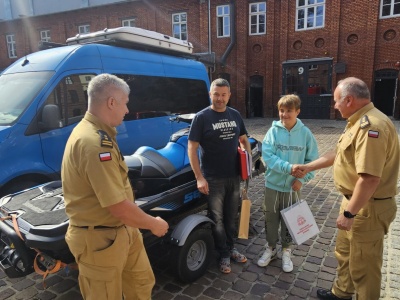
x=244 y=222
x=300 y=222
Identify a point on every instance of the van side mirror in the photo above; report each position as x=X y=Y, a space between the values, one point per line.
x=51 y=117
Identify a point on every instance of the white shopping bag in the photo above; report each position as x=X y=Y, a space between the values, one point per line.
x=300 y=222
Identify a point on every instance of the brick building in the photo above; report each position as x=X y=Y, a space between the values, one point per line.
x=264 y=48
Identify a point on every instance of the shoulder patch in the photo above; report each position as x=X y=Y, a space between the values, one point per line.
x=105 y=139
x=105 y=156
x=364 y=122
x=373 y=134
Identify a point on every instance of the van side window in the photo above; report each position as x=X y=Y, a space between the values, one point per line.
x=70 y=95
x=153 y=96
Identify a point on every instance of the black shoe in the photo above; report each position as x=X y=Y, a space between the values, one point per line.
x=328 y=295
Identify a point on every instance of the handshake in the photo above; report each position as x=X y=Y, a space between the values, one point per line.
x=299 y=171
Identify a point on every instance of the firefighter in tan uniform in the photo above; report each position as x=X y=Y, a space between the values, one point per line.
x=103 y=231
x=366 y=167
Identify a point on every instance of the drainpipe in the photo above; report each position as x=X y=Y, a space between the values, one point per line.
x=233 y=34
x=210 y=69
x=209 y=26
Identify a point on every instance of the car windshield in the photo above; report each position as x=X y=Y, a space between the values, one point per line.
x=17 y=91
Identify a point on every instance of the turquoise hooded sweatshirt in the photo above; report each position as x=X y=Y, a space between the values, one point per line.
x=282 y=148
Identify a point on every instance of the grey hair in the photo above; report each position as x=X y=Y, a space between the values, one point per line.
x=220 y=82
x=99 y=86
x=354 y=87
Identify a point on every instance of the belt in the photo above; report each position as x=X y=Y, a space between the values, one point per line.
x=349 y=196
x=98 y=227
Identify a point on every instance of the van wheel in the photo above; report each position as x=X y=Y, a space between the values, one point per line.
x=192 y=259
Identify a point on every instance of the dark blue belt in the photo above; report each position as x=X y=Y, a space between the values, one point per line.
x=386 y=198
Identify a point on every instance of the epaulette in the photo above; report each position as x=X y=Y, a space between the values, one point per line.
x=105 y=140
x=364 y=122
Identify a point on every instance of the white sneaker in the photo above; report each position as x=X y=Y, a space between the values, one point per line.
x=287 y=264
x=268 y=255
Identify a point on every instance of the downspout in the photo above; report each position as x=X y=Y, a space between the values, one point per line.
x=233 y=34
x=210 y=69
x=209 y=26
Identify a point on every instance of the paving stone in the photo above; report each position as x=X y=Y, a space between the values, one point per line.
x=23 y=284
x=27 y=293
x=213 y=293
x=182 y=297
x=70 y=295
x=172 y=288
x=299 y=292
x=232 y=295
x=249 y=276
x=260 y=289
x=6 y=293
x=307 y=276
x=193 y=290
x=163 y=295
x=46 y=295
x=241 y=286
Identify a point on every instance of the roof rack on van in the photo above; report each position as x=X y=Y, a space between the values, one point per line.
x=134 y=37
x=48 y=45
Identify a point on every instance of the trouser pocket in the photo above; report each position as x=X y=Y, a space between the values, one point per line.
x=97 y=283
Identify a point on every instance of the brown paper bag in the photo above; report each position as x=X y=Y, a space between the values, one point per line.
x=244 y=222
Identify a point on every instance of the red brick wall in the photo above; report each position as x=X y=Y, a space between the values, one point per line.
x=377 y=45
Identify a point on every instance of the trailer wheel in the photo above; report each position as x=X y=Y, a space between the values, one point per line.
x=192 y=259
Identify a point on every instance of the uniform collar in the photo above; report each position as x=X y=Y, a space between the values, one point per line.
x=111 y=131
x=359 y=113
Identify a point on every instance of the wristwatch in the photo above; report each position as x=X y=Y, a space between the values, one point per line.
x=348 y=215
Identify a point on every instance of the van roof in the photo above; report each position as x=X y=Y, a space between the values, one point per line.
x=99 y=57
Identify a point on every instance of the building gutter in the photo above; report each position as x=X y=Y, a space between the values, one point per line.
x=233 y=34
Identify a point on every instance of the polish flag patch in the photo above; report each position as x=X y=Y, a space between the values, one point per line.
x=373 y=133
x=105 y=156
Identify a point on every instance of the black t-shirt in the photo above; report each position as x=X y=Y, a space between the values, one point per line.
x=218 y=135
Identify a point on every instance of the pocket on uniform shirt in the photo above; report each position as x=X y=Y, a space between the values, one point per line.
x=346 y=153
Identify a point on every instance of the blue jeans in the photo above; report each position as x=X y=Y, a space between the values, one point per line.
x=223 y=203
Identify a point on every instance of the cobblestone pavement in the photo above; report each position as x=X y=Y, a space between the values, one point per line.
x=314 y=262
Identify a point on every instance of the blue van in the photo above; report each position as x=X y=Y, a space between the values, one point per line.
x=43 y=96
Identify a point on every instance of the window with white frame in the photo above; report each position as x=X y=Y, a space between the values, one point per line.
x=390 y=8
x=82 y=29
x=11 y=46
x=128 y=23
x=179 y=26
x=310 y=14
x=45 y=36
x=258 y=18
x=223 y=21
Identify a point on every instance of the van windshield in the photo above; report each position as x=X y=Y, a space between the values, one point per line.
x=17 y=91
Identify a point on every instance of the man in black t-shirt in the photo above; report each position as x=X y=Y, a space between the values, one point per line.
x=216 y=131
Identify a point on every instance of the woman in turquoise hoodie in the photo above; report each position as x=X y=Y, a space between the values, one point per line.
x=287 y=142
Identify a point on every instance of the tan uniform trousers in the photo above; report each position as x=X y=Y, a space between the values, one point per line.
x=112 y=263
x=360 y=251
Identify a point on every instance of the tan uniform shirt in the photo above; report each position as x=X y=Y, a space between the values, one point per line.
x=369 y=145
x=94 y=174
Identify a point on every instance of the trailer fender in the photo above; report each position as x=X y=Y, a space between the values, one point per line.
x=185 y=227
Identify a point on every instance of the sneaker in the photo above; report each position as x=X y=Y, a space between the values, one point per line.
x=237 y=257
x=287 y=264
x=268 y=255
x=225 y=265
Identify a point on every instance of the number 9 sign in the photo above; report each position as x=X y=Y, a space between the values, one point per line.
x=301 y=70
